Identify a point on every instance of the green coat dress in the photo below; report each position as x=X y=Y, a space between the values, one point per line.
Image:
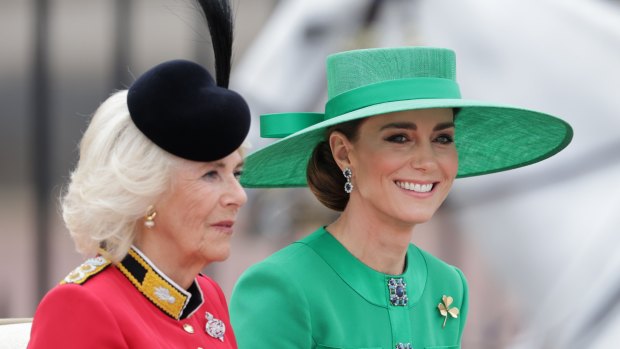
x=315 y=294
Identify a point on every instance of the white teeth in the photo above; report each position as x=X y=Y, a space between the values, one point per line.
x=420 y=188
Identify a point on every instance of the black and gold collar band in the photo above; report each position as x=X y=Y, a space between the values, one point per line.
x=158 y=288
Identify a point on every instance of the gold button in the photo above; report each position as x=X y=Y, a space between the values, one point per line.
x=188 y=328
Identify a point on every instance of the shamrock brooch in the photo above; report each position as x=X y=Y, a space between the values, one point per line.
x=444 y=309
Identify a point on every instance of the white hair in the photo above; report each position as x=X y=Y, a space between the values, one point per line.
x=120 y=173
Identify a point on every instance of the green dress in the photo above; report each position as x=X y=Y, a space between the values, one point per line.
x=316 y=294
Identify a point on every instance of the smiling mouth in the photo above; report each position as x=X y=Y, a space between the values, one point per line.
x=416 y=187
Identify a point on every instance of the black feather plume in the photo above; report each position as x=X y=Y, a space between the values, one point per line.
x=219 y=20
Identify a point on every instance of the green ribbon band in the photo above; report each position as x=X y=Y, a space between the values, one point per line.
x=391 y=91
x=284 y=124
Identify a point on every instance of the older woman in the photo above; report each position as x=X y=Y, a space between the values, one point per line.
x=153 y=200
x=394 y=136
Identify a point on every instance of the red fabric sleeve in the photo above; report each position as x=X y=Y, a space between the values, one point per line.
x=72 y=317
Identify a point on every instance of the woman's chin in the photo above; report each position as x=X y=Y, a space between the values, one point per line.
x=417 y=218
x=218 y=256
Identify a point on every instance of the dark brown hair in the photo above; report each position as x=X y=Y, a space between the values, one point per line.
x=325 y=178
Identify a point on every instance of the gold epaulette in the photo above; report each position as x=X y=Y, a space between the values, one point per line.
x=90 y=267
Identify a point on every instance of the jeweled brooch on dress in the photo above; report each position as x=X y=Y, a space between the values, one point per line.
x=444 y=309
x=215 y=327
x=398 y=291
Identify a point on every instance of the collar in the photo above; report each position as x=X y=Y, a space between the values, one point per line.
x=158 y=288
x=372 y=285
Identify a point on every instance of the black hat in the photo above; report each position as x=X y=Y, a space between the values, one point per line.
x=179 y=107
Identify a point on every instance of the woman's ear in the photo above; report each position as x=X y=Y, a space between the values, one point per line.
x=341 y=148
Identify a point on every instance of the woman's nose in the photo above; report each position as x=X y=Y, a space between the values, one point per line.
x=423 y=157
x=235 y=194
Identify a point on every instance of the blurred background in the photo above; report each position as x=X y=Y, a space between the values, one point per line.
x=539 y=245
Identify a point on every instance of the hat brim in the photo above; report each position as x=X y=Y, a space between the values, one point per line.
x=489 y=138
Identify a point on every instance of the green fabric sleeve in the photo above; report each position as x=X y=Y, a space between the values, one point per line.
x=269 y=310
x=464 y=305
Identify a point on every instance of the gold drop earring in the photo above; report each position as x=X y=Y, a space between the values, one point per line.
x=149 y=218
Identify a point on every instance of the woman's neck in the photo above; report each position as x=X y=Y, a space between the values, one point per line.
x=378 y=242
x=165 y=260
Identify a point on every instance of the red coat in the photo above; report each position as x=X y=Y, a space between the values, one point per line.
x=124 y=306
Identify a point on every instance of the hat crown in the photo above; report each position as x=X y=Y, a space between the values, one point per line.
x=178 y=106
x=353 y=69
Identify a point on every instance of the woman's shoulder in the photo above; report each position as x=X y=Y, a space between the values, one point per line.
x=82 y=284
x=64 y=317
x=87 y=270
x=66 y=295
x=293 y=257
x=91 y=282
x=439 y=273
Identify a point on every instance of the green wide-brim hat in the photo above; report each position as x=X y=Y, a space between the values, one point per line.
x=489 y=137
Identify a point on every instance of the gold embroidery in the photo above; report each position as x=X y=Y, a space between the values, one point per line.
x=154 y=287
x=86 y=270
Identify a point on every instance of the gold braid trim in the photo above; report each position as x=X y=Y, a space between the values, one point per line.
x=156 y=288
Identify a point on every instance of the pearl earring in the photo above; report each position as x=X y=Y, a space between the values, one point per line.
x=149 y=218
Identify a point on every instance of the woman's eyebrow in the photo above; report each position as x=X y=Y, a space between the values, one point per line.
x=222 y=164
x=413 y=126
x=405 y=125
x=443 y=126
